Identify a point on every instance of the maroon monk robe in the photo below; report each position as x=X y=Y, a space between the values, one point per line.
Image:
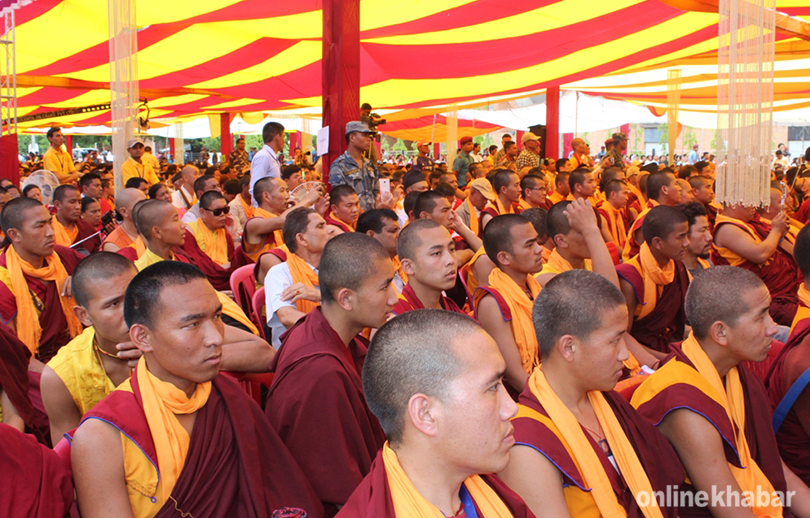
x=711 y=214
x=218 y=276
x=656 y=455
x=667 y=322
x=758 y=430
x=332 y=221
x=780 y=273
x=408 y=301
x=86 y=230
x=373 y=498
x=34 y=481
x=278 y=252
x=317 y=406
x=793 y=439
x=236 y=465
x=492 y=211
x=54 y=325
x=14 y=359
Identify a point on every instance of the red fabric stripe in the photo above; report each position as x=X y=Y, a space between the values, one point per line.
x=33 y=10
x=48 y=96
x=421 y=122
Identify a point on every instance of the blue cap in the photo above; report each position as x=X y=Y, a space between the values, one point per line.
x=357 y=126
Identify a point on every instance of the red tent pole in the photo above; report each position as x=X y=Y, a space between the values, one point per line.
x=553 y=122
x=225 y=137
x=340 y=73
x=69 y=144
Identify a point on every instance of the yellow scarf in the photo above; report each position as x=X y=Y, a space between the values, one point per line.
x=149 y=258
x=213 y=243
x=333 y=216
x=472 y=282
x=232 y=309
x=473 y=218
x=732 y=397
x=616 y=226
x=520 y=306
x=62 y=235
x=302 y=272
x=496 y=203
x=161 y=401
x=732 y=258
x=27 y=323
x=804 y=306
x=655 y=278
x=556 y=197
x=398 y=269
x=590 y=467
x=247 y=207
x=278 y=236
x=558 y=264
x=408 y=501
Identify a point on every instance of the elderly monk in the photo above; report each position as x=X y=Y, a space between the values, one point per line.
x=383 y=225
x=33 y=271
x=581 y=450
x=291 y=287
x=504 y=306
x=87 y=369
x=263 y=231
x=714 y=410
x=69 y=228
x=176 y=437
x=316 y=399
x=741 y=239
x=506 y=184
x=184 y=198
x=579 y=244
x=344 y=208
x=662 y=189
x=208 y=241
x=428 y=256
x=654 y=284
x=787 y=386
x=125 y=235
x=434 y=379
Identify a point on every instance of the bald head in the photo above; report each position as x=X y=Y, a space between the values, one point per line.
x=708 y=300
x=96 y=267
x=151 y=213
x=415 y=353
x=189 y=174
x=127 y=199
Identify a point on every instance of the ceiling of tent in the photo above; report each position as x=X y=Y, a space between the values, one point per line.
x=260 y=56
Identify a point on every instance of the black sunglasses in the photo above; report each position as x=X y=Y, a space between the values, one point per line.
x=219 y=212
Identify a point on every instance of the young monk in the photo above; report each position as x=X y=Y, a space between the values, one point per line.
x=504 y=306
x=579 y=244
x=33 y=271
x=613 y=211
x=714 y=410
x=561 y=188
x=741 y=241
x=291 y=287
x=125 y=235
x=383 y=225
x=428 y=256
x=432 y=205
x=316 y=399
x=662 y=189
x=533 y=192
x=703 y=191
x=344 y=208
x=793 y=435
x=696 y=257
x=87 y=369
x=434 y=378
x=68 y=226
x=506 y=184
x=208 y=241
x=158 y=441
x=580 y=448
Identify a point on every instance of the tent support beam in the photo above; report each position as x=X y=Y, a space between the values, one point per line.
x=553 y=122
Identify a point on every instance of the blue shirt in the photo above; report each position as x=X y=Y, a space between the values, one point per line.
x=265 y=163
x=360 y=177
x=461 y=165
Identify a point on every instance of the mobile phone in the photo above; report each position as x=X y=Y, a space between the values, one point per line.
x=385 y=187
x=106 y=218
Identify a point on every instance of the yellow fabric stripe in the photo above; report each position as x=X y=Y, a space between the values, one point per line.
x=672 y=373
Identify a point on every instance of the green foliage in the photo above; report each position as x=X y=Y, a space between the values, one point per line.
x=584 y=137
x=664 y=139
x=689 y=138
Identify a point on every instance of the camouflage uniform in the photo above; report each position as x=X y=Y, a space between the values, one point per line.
x=362 y=178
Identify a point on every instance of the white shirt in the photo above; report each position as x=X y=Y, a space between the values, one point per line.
x=265 y=163
x=238 y=212
x=192 y=214
x=276 y=281
x=177 y=198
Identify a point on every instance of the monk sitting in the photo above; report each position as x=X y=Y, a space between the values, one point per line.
x=159 y=226
x=33 y=271
x=87 y=369
x=715 y=411
x=428 y=258
x=344 y=208
x=209 y=241
x=316 y=400
x=506 y=184
x=760 y=248
x=662 y=189
x=263 y=231
x=703 y=191
x=434 y=378
x=579 y=244
x=16 y=408
x=580 y=449
x=504 y=306
x=383 y=225
x=433 y=205
x=533 y=192
x=177 y=438
x=613 y=211
x=69 y=228
x=561 y=187
x=125 y=235
x=696 y=257
x=793 y=362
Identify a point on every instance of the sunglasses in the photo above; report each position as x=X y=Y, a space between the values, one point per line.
x=219 y=212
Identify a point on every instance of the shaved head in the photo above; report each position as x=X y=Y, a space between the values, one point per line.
x=347 y=260
x=498 y=235
x=16 y=212
x=660 y=222
x=409 y=240
x=708 y=300
x=151 y=213
x=127 y=198
x=95 y=267
x=557 y=221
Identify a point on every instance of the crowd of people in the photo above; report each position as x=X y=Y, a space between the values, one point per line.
x=506 y=335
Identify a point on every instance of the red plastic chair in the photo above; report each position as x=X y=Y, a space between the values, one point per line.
x=243 y=286
x=257 y=304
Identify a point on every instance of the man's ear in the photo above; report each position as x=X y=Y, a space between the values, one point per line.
x=346 y=298
x=82 y=315
x=141 y=337
x=423 y=413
